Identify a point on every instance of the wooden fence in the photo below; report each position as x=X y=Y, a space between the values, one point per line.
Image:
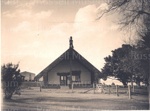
x=96 y=88
x=31 y=84
x=119 y=90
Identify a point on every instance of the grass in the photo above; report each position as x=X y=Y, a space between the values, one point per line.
x=64 y=99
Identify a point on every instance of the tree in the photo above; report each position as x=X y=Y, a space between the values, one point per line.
x=134 y=15
x=143 y=51
x=122 y=65
x=142 y=55
x=122 y=69
x=131 y=12
x=11 y=79
x=107 y=70
x=113 y=67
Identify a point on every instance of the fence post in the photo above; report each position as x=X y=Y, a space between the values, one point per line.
x=117 y=90
x=109 y=89
x=133 y=88
x=129 y=91
x=72 y=87
x=93 y=88
x=40 y=87
x=102 y=88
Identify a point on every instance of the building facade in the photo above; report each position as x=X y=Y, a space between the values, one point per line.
x=69 y=68
x=28 y=76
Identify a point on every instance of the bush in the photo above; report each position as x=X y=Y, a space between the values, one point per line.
x=11 y=79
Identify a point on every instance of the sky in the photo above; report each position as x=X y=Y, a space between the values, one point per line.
x=36 y=32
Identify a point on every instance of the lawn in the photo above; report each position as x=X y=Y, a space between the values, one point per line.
x=64 y=99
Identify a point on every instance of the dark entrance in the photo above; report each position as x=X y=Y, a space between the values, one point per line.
x=63 y=80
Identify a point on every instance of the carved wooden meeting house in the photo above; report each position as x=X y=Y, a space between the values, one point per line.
x=69 y=68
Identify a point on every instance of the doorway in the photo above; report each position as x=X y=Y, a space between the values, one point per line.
x=63 y=80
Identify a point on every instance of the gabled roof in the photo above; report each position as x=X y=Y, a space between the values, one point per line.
x=70 y=53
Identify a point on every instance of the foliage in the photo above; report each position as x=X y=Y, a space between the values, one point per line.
x=132 y=64
x=114 y=65
x=126 y=66
x=11 y=79
x=131 y=12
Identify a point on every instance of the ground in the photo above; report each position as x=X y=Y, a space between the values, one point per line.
x=77 y=100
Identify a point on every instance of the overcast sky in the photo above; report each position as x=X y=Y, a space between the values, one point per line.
x=36 y=32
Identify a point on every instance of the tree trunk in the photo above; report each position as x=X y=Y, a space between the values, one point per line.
x=124 y=84
x=138 y=83
x=131 y=81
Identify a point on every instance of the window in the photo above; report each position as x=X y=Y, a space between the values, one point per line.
x=61 y=77
x=73 y=78
x=76 y=78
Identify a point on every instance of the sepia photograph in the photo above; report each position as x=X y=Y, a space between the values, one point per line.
x=75 y=55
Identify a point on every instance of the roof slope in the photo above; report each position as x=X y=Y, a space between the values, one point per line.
x=70 y=53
